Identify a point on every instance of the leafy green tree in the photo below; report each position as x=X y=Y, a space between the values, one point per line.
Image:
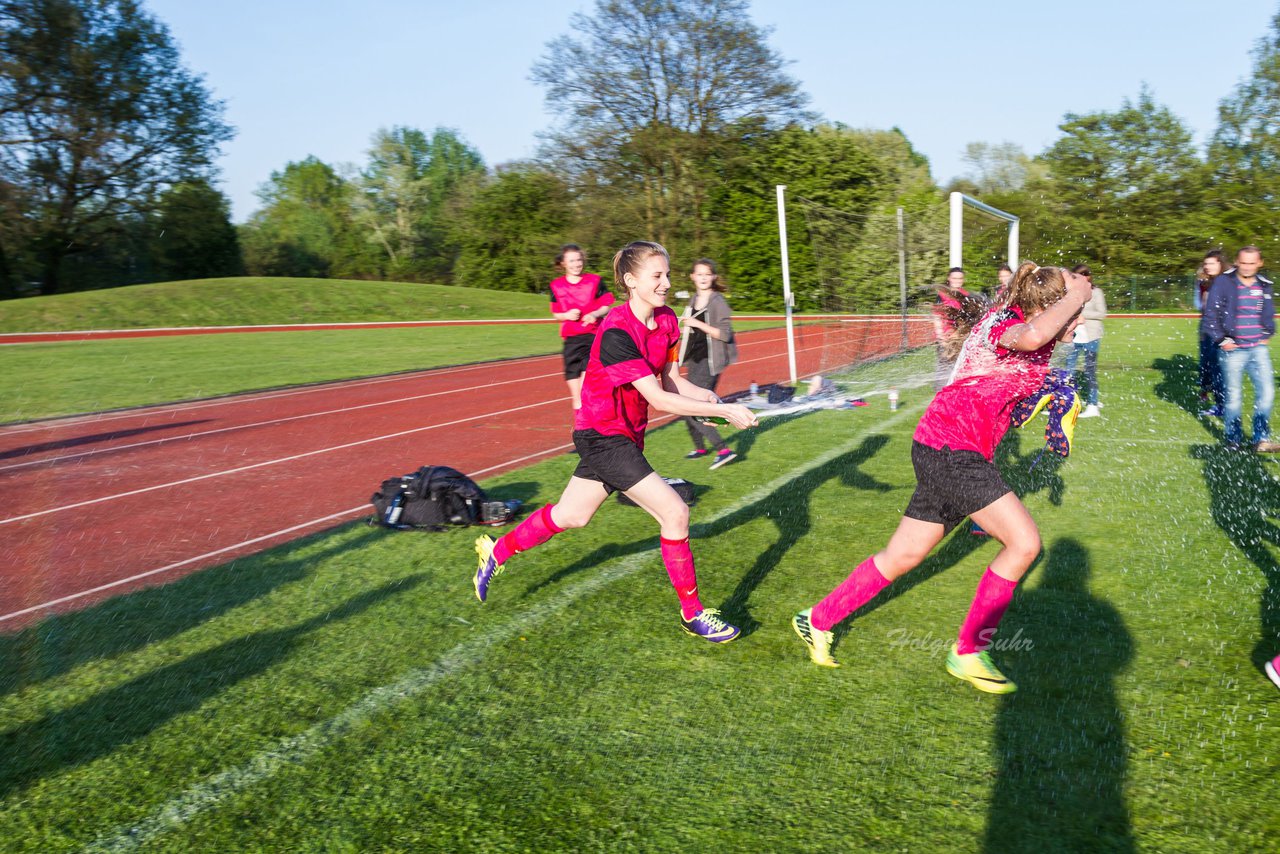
x=97 y=116
x=193 y=235
x=403 y=195
x=304 y=227
x=509 y=229
x=1123 y=192
x=649 y=92
x=1244 y=156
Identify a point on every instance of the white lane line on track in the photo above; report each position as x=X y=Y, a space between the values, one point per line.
x=341 y=515
x=295 y=750
x=277 y=461
x=200 y=434
x=197 y=434
x=251 y=397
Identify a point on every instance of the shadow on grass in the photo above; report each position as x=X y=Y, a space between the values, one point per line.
x=1244 y=498
x=1060 y=740
x=788 y=507
x=135 y=620
x=127 y=712
x=1180 y=385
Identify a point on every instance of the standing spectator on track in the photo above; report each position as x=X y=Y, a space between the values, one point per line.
x=706 y=349
x=579 y=300
x=1212 y=393
x=1088 y=337
x=1240 y=318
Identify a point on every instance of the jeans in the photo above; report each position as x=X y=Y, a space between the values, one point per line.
x=1211 y=371
x=1256 y=361
x=1090 y=349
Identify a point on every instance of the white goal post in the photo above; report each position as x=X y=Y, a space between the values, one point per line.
x=958 y=203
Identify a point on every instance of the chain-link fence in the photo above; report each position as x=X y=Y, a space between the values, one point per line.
x=1148 y=293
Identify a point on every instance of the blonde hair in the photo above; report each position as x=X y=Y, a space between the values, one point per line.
x=629 y=258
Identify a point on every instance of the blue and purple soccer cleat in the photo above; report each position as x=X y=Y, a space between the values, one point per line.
x=708 y=625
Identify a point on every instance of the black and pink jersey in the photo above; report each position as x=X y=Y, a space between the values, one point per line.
x=586 y=295
x=624 y=351
x=972 y=412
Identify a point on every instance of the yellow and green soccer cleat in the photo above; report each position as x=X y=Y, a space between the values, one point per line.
x=488 y=568
x=817 y=641
x=976 y=669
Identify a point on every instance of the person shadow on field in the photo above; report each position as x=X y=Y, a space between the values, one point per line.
x=1060 y=744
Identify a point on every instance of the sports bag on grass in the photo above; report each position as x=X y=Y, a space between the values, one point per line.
x=434 y=498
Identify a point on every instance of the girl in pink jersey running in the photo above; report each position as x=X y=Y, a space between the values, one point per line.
x=1002 y=359
x=632 y=365
x=578 y=300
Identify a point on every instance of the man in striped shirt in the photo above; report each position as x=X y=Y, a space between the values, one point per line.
x=1240 y=318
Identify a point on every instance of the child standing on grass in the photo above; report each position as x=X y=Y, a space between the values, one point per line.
x=706 y=349
x=579 y=300
x=631 y=366
x=1002 y=359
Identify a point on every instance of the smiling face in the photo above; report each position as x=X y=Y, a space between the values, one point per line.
x=573 y=263
x=650 y=281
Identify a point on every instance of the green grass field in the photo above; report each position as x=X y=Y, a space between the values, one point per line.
x=260 y=301
x=348 y=693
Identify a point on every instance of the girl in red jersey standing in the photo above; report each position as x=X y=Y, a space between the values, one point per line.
x=631 y=366
x=578 y=300
x=1002 y=359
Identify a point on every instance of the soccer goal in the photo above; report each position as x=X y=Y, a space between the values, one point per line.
x=860 y=287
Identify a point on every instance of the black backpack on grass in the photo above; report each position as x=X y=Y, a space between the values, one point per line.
x=435 y=498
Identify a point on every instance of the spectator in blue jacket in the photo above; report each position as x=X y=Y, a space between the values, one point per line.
x=1240 y=318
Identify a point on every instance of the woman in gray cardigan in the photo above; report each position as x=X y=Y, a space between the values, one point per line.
x=706 y=349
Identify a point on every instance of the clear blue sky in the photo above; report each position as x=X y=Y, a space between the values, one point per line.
x=319 y=77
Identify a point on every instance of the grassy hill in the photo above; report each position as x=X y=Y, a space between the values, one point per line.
x=248 y=301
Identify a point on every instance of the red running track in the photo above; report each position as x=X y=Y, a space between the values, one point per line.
x=98 y=505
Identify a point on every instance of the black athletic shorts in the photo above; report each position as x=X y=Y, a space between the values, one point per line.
x=951 y=485
x=614 y=461
x=577 y=349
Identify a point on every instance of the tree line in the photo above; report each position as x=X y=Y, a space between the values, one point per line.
x=677 y=130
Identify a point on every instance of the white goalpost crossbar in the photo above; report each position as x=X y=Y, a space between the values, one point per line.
x=958 y=203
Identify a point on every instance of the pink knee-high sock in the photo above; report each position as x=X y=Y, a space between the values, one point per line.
x=678 y=558
x=851 y=594
x=534 y=531
x=990 y=601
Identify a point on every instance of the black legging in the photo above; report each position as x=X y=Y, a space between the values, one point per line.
x=701 y=376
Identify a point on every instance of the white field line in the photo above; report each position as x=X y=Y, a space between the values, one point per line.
x=293 y=751
x=277 y=461
x=199 y=434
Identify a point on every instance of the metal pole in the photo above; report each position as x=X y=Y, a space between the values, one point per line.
x=957 y=230
x=786 y=279
x=1013 y=245
x=902 y=275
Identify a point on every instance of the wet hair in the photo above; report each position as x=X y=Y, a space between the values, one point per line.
x=629 y=258
x=716 y=284
x=566 y=249
x=1082 y=270
x=1032 y=289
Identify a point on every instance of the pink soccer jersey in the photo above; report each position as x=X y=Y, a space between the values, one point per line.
x=625 y=350
x=972 y=412
x=586 y=295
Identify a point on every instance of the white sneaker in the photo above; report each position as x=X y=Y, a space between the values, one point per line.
x=1091 y=411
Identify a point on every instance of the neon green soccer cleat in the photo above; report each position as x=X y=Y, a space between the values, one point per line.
x=487 y=569
x=817 y=641
x=977 y=669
